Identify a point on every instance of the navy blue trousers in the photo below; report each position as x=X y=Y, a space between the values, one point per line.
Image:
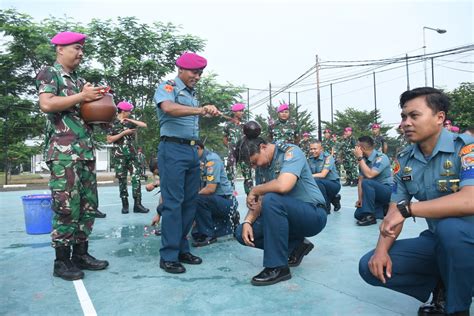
x=179 y=176
x=282 y=225
x=375 y=197
x=213 y=215
x=418 y=264
x=329 y=189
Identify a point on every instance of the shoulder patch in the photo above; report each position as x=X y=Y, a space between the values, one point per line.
x=378 y=159
x=168 y=88
x=210 y=178
x=466 y=150
x=289 y=154
x=396 y=167
x=209 y=163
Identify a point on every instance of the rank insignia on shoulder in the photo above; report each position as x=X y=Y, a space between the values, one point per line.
x=168 y=88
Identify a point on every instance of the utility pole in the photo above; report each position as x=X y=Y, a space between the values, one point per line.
x=248 y=104
x=375 y=99
x=408 y=75
x=332 y=113
x=296 y=108
x=289 y=98
x=319 y=98
x=432 y=72
x=270 y=91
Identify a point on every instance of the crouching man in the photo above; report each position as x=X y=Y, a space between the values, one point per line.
x=285 y=207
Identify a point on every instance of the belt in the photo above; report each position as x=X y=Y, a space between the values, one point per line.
x=178 y=140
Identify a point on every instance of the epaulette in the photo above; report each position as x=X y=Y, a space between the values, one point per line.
x=405 y=151
x=282 y=146
x=171 y=83
x=465 y=138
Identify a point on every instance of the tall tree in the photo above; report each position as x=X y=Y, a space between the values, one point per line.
x=462 y=105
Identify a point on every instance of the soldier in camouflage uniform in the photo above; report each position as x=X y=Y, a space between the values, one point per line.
x=285 y=130
x=348 y=159
x=69 y=154
x=124 y=156
x=328 y=142
x=232 y=134
x=142 y=162
x=304 y=143
x=379 y=140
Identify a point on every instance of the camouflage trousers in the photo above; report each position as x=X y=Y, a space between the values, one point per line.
x=123 y=166
x=74 y=193
x=244 y=168
x=350 y=166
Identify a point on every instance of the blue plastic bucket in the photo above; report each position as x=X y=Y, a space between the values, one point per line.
x=38 y=213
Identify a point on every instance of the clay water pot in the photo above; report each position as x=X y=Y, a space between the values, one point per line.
x=99 y=111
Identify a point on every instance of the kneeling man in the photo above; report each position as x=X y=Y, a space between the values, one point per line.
x=285 y=207
x=216 y=213
x=375 y=182
x=325 y=174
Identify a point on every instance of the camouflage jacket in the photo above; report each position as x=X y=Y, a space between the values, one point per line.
x=125 y=146
x=233 y=132
x=329 y=145
x=347 y=145
x=67 y=136
x=286 y=132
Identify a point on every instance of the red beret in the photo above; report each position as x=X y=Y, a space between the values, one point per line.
x=191 y=61
x=375 y=125
x=237 y=107
x=283 y=107
x=68 y=38
x=348 y=129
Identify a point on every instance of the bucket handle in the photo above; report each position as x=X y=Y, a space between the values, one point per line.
x=45 y=203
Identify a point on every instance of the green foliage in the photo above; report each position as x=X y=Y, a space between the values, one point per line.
x=462 y=106
x=360 y=121
x=222 y=96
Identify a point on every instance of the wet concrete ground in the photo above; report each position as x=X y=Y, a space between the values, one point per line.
x=326 y=283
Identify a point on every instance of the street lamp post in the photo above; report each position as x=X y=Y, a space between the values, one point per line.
x=439 y=31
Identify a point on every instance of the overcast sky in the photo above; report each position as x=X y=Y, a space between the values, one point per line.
x=251 y=43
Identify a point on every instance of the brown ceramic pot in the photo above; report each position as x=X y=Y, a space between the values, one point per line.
x=99 y=111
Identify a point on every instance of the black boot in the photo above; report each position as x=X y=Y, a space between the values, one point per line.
x=82 y=259
x=354 y=183
x=336 y=201
x=347 y=183
x=99 y=214
x=63 y=266
x=124 y=205
x=436 y=307
x=138 y=207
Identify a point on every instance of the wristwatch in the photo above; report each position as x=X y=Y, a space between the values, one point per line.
x=404 y=208
x=360 y=158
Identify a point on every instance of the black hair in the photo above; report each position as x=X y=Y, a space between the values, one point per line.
x=247 y=147
x=367 y=140
x=435 y=99
x=153 y=165
x=200 y=144
x=316 y=141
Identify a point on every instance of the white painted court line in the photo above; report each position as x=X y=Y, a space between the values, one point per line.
x=84 y=299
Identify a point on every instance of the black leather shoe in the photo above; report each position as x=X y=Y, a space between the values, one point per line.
x=271 y=276
x=297 y=255
x=172 y=267
x=336 y=202
x=189 y=258
x=436 y=306
x=354 y=183
x=204 y=241
x=346 y=184
x=367 y=221
x=99 y=214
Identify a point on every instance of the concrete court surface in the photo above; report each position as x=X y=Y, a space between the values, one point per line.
x=326 y=283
